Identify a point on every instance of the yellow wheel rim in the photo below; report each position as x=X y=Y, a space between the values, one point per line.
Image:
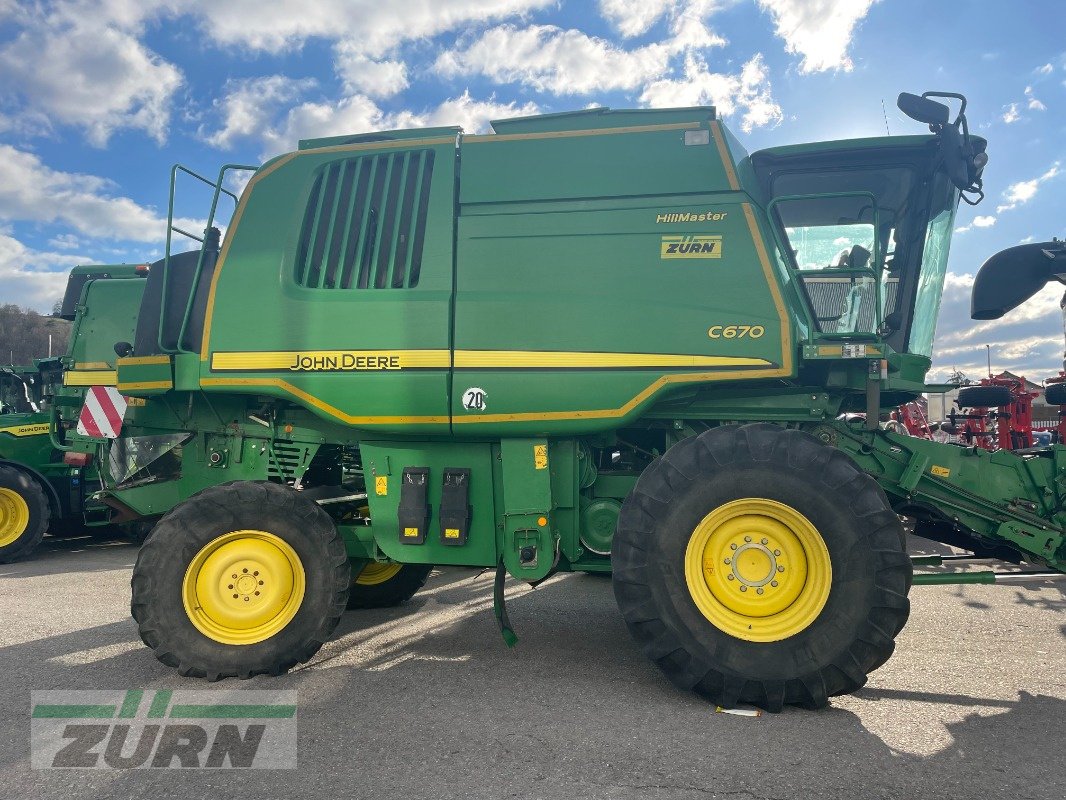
x=758 y=570
x=243 y=587
x=375 y=573
x=14 y=516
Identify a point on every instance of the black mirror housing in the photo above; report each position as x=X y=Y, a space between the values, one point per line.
x=922 y=109
x=1012 y=276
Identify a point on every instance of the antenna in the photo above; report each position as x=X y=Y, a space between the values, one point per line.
x=885 y=113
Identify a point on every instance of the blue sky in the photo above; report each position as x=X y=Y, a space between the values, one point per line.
x=98 y=99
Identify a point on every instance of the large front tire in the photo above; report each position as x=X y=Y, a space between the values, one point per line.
x=24 y=514
x=758 y=565
x=242 y=579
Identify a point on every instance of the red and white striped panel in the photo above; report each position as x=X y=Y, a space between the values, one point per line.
x=101 y=414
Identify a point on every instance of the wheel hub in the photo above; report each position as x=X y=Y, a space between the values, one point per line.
x=758 y=569
x=243 y=587
x=14 y=516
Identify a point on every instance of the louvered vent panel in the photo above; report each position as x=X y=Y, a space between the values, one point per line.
x=365 y=223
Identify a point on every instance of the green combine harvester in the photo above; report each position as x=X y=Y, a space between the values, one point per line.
x=41 y=489
x=597 y=341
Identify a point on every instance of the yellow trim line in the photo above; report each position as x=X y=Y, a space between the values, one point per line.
x=99 y=377
x=130 y=387
x=137 y=361
x=386 y=360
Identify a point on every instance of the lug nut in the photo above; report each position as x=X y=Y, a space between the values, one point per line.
x=729 y=561
x=747 y=539
x=777 y=552
x=759 y=590
x=743 y=588
x=234 y=597
x=731 y=547
x=729 y=577
x=780 y=568
x=773 y=583
x=764 y=540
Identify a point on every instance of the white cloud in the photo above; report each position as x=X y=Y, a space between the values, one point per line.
x=81 y=69
x=363 y=75
x=359 y=114
x=1024 y=191
x=249 y=105
x=376 y=26
x=32 y=191
x=1033 y=104
x=633 y=17
x=820 y=31
x=32 y=278
x=978 y=222
x=551 y=59
x=747 y=94
x=65 y=241
x=1011 y=114
x=1047 y=69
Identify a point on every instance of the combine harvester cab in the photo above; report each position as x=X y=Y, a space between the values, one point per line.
x=602 y=340
x=42 y=487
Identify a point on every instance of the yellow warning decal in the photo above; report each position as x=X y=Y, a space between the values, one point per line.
x=942 y=472
x=451 y=533
x=540 y=456
x=691 y=247
x=411 y=532
x=26 y=430
x=381 y=485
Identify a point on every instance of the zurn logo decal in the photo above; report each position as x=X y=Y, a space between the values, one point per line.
x=163 y=729
x=693 y=246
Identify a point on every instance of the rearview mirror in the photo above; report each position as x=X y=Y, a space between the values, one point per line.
x=922 y=109
x=1012 y=276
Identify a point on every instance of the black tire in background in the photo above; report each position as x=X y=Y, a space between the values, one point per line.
x=867 y=601
x=190 y=529
x=392 y=591
x=24 y=514
x=1055 y=394
x=984 y=397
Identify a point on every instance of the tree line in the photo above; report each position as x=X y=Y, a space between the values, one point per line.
x=24 y=334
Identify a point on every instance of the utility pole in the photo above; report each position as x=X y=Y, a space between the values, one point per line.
x=988 y=352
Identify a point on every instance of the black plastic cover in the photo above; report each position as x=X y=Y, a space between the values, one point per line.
x=413 y=513
x=455 y=506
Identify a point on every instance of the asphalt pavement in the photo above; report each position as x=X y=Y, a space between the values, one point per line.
x=426 y=701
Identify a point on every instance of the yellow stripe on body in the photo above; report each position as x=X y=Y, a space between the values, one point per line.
x=101 y=377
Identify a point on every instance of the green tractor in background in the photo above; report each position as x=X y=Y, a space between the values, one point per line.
x=42 y=489
x=597 y=341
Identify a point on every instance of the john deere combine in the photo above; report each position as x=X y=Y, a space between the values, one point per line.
x=41 y=489
x=586 y=341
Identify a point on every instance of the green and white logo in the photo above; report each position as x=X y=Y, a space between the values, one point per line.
x=163 y=729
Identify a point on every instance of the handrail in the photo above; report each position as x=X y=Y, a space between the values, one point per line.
x=172 y=228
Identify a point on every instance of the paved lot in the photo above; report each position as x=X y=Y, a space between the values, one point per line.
x=425 y=701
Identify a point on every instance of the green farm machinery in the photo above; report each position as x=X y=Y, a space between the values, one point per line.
x=601 y=341
x=42 y=489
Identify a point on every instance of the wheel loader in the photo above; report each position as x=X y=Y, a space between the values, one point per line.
x=606 y=340
x=42 y=489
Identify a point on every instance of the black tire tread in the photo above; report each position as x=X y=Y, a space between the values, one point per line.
x=216 y=502
x=40 y=513
x=394 y=592
x=694 y=459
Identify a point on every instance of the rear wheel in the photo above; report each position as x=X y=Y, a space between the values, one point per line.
x=758 y=565
x=24 y=514
x=1055 y=394
x=385 y=585
x=241 y=579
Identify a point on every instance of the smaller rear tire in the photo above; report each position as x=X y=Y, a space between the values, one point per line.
x=386 y=585
x=985 y=397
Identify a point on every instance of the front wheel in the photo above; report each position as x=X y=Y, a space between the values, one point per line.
x=758 y=565
x=242 y=579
